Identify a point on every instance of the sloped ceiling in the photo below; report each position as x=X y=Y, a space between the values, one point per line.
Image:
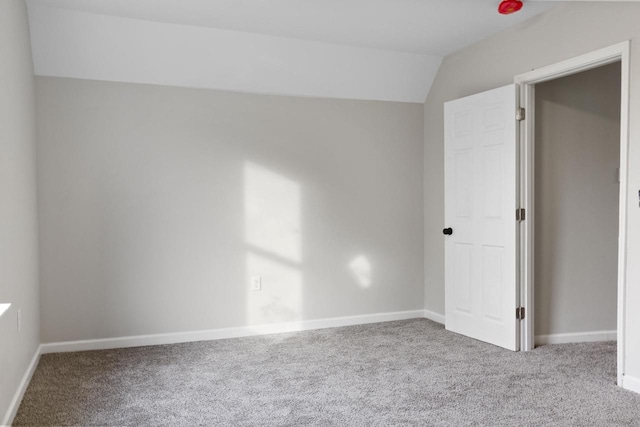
x=359 y=49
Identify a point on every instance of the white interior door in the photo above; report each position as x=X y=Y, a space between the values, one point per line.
x=481 y=292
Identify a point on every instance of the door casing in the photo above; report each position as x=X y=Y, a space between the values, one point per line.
x=526 y=93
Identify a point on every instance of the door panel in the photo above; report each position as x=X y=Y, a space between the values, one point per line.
x=480 y=206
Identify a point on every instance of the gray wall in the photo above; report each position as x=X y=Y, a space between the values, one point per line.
x=18 y=225
x=158 y=203
x=564 y=32
x=576 y=232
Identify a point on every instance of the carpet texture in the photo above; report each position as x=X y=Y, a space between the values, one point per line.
x=409 y=372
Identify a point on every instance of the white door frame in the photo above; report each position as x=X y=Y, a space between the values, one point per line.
x=527 y=82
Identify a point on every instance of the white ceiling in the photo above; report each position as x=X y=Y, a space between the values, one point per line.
x=386 y=50
x=434 y=27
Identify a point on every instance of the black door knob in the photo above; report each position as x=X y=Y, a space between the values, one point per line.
x=448 y=231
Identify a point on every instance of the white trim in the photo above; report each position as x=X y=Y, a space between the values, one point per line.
x=216 y=334
x=622 y=220
x=22 y=387
x=432 y=315
x=573 y=337
x=631 y=383
x=523 y=335
x=574 y=65
x=619 y=52
x=527 y=227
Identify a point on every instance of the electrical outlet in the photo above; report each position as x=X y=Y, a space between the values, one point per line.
x=19 y=320
x=256 y=283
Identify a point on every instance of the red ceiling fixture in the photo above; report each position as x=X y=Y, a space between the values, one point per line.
x=509 y=6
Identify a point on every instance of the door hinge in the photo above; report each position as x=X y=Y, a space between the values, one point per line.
x=520 y=214
x=520 y=313
x=520 y=114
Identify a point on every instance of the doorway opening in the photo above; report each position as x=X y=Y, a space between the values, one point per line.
x=573 y=171
x=577 y=159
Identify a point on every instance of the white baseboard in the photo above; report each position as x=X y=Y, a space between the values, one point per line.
x=216 y=334
x=22 y=387
x=431 y=315
x=631 y=383
x=576 y=337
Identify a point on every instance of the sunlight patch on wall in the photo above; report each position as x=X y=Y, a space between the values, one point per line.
x=272 y=212
x=3 y=308
x=280 y=299
x=272 y=232
x=360 y=268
